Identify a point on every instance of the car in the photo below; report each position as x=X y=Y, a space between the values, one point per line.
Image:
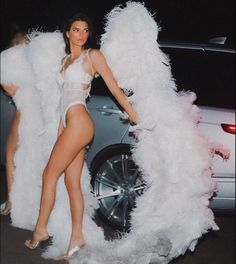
x=205 y=68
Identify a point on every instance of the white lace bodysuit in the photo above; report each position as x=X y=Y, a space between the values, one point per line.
x=73 y=81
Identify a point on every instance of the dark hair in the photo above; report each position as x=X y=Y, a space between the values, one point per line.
x=67 y=26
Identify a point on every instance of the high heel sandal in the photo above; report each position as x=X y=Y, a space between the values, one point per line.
x=7 y=209
x=71 y=253
x=41 y=243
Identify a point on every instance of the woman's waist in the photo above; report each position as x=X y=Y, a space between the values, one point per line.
x=75 y=87
x=76 y=91
x=70 y=96
x=76 y=83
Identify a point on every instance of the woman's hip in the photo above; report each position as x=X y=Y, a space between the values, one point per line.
x=77 y=116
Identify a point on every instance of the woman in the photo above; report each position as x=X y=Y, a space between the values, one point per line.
x=76 y=129
x=12 y=139
x=11 y=146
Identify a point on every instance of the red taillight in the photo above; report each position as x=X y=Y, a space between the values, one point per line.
x=229 y=128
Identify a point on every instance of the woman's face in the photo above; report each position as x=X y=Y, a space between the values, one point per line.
x=78 y=33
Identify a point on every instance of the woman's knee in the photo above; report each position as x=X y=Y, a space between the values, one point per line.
x=49 y=176
x=72 y=185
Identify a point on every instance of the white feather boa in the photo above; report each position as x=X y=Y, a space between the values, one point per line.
x=173 y=157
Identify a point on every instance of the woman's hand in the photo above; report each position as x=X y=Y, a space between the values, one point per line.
x=10 y=89
x=223 y=152
x=134 y=119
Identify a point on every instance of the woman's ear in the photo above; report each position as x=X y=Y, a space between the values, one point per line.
x=67 y=34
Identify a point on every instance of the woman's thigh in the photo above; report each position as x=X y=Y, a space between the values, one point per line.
x=77 y=134
x=12 y=139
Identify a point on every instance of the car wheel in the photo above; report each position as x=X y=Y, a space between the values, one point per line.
x=116 y=183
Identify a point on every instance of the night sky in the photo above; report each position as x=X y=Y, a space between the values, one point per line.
x=179 y=19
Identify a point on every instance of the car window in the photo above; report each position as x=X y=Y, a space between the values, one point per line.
x=99 y=87
x=210 y=74
x=220 y=77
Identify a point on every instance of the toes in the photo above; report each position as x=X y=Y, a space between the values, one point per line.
x=28 y=243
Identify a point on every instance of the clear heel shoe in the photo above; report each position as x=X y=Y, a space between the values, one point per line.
x=71 y=253
x=41 y=243
x=5 y=208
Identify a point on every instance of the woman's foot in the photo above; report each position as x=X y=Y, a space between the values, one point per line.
x=38 y=239
x=7 y=209
x=74 y=248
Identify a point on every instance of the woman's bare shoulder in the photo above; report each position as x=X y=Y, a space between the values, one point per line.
x=96 y=54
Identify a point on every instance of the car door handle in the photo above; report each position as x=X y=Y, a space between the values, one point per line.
x=109 y=110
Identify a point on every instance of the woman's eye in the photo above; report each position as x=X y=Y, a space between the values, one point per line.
x=78 y=30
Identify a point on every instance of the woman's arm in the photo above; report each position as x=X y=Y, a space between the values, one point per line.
x=100 y=66
x=10 y=89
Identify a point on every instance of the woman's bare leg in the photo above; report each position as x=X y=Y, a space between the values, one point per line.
x=72 y=181
x=11 y=147
x=77 y=134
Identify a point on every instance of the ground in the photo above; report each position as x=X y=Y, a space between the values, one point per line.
x=214 y=248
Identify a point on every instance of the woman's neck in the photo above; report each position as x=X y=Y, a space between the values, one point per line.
x=76 y=52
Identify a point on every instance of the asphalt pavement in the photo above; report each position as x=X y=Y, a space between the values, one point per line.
x=213 y=248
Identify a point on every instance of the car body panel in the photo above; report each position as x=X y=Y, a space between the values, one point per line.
x=109 y=129
x=223 y=171
x=210 y=124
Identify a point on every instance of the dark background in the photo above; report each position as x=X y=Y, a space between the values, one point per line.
x=210 y=75
x=188 y=20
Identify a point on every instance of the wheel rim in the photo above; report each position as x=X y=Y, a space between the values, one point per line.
x=117 y=185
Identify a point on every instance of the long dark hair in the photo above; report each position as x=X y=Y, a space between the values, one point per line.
x=67 y=26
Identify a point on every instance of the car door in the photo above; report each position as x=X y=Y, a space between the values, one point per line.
x=106 y=114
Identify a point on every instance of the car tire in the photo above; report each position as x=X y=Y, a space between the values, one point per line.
x=116 y=182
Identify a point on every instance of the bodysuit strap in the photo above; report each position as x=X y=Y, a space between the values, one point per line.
x=64 y=59
x=63 y=63
x=90 y=61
